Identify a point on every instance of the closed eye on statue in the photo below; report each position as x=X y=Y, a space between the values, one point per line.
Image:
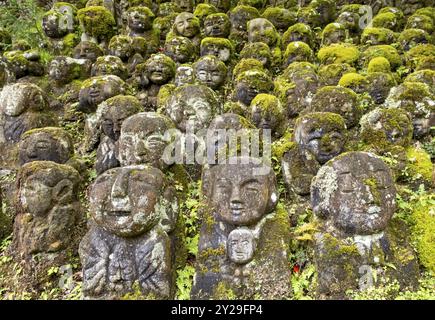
x=252 y=185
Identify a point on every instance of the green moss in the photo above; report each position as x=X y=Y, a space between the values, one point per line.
x=223 y=291
x=268 y=104
x=331 y=73
x=339 y=53
x=386 y=20
x=372 y=183
x=377 y=36
x=425 y=76
x=353 y=8
x=412 y=37
x=246 y=65
x=386 y=51
x=257 y=79
x=419 y=164
x=420 y=22
x=220 y=42
x=204 y=9
x=418 y=53
x=334 y=248
x=423 y=230
x=298 y=49
x=301 y=30
x=352 y=80
x=284 y=15
x=379 y=64
x=428 y=11
x=283 y=145
x=391 y=120
x=97 y=21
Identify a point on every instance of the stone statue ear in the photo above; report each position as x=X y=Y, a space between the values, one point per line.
x=318 y=203
x=206 y=183
x=171 y=212
x=63 y=190
x=273 y=195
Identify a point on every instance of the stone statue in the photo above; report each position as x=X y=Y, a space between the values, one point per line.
x=132 y=210
x=354 y=198
x=318 y=137
x=239 y=219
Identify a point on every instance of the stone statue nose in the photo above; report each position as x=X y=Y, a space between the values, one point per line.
x=119 y=195
x=235 y=196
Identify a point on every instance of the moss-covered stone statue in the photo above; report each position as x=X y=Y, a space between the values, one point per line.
x=155 y=72
x=217 y=25
x=98 y=89
x=112 y=113
x=318 y=137
x=133 y=208
x=242 y=251
x=97 y=24
x=358 y=242
x=48 y=212
x=60 y=26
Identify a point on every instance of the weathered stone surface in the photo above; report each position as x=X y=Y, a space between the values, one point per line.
x=242 y=251
x=132 y=209
x=353 y=197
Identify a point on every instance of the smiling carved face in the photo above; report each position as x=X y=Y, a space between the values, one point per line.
x=361 y=193
x=124 y=201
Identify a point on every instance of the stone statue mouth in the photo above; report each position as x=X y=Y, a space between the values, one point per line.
x=237 y=211
x=119 y=213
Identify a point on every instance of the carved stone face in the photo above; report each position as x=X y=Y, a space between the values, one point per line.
x=262 y=30
x=221 y=50
x=20 y=97
x=64 y=69
x=109 y=65
x=180 y=49
x=138 y=20
x=125 y=201
x=87 y=50
x=217 y=25
x=117 y=109
x=54 y=25
x=192 y=103
x=46 y=144
x=338 y=100
x=45 y=185
x=240 y=16
x=47 y=198
x=259 y=51
x=322 y=134
x=267 y=112
x=210 y=72
x=143 y=139
x=185 y=5
x=348 y=20
x=97 y=89
x=121 y=47
x=159 y=69
x=386 y=127
x=221 y=5
x=186 y=25
x=247 y=88
x=239 y=195
x=333 y=33
x=240 y=246
x=184 y=75
x=355 y=192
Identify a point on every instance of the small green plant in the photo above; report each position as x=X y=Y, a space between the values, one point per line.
x=184 y=282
